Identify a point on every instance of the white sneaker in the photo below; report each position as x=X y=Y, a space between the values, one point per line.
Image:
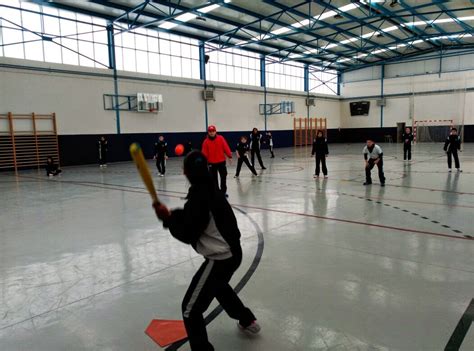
x=315 y=176
x=459 y=169
x=449 y=170
x=253 y=328
x=326 y=177
x=162 y=175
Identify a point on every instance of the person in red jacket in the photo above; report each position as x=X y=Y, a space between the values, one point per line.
x=215 y=148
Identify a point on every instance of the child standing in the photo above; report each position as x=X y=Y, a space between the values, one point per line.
x=407 y=138
x=320 y=148
x=242 y=156
x=102 y=146
x=270 y=144
x=451 y=146
x=215 y=148
x=255 y=140
x=373 y=155
x=208 y=224
x=161 y=148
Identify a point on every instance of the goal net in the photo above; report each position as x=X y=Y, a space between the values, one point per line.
x=433 y=131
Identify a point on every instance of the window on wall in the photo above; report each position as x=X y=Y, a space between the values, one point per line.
x=43 y=33
x=288 y=76
x=323 y=82
x=150 y=51
x=233 y=66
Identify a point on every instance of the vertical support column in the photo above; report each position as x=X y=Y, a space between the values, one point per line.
x=263 y=83
x=294 y=131
x=381 y=94
x=306 y=86
x=440 y=62
x=12 y=135
x=202 y=76
x=339 y=81
x=35 y=134
x=113 y=66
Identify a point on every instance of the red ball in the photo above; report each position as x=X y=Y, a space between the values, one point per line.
x=179 y=149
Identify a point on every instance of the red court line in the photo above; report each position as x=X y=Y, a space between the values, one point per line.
x=331 y=192
x=408 y=230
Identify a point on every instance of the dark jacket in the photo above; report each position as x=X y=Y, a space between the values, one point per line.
x=255 y=140
x=452 y=143
x=407 y=138
x=320 y=146
x=191 y=225
x=242 y=148
x=161 y=148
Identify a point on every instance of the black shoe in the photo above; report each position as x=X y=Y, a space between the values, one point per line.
x=367 y=183
x=264 y=168
x=382 y=184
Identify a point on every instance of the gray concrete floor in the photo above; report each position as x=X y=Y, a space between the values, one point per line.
x=84 y=264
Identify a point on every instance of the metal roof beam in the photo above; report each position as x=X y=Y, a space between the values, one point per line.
x=426 y=19
x=298 y=30
x=400 y=23
x=363 y=23
x=464 y=25
x=413 y=57
x=237 y=24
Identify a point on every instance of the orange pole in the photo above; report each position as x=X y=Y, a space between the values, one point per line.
x=33 y=117
x=55 y=129
x=12 y=135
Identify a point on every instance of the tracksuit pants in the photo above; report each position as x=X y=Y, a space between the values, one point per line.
x=453 y=153
x=161 y=164
x=369 y=167
x=212 y=281
x=407 y=151
x=244 y=159
x=254 y=152
x=321 y=159
x=220 y=168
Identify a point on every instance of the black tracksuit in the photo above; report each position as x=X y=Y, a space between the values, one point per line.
x=451 y=146
x=242 y=149
x=208 y=223
x=255 y=140
x=52 y=169
x=407 y=140
x=102 y=147
x=320 y=148
x=161 y=148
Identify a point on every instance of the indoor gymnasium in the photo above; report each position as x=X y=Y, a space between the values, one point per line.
x=270 y=175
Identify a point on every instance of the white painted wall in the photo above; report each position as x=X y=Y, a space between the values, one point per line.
x=431 y=100
x=78 y=101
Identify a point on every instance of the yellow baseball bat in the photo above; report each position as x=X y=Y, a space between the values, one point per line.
x=137 y=155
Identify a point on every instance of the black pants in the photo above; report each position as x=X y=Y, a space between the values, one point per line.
x=220 y=168
x=271 y=151
x=407 y=151
x=161 y=164
x=321 y=159
x=103 y=158
x=369 y=167
x=259 y=157
x=244 y=159
x=212 y=281
x=453 y=153
x=53 y=171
